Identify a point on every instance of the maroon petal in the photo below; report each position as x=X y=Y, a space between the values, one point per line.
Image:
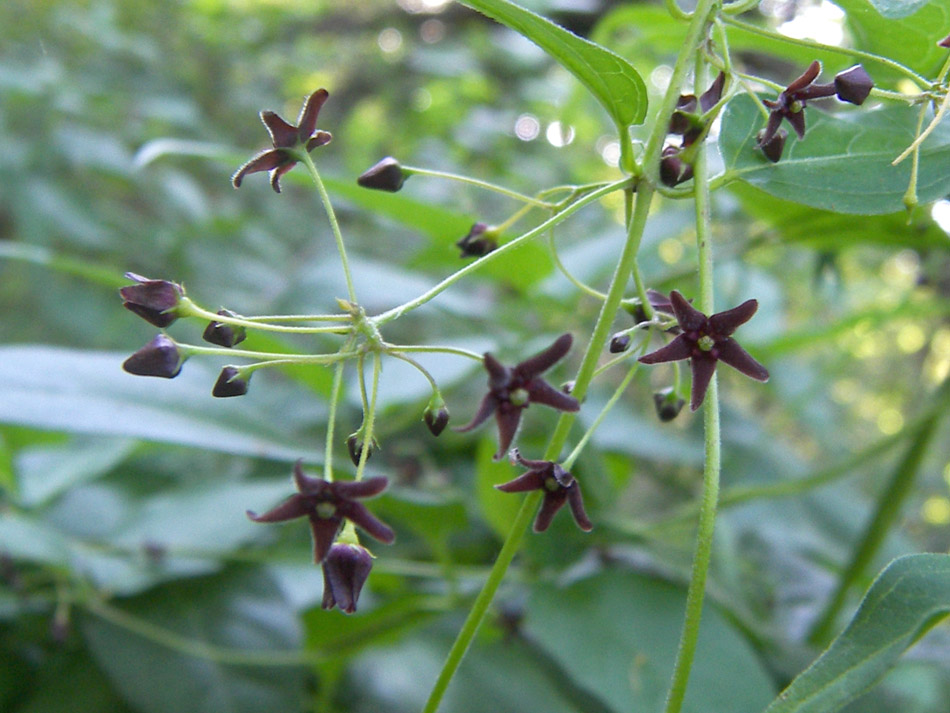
x=725 y=323
x=712 y=95
x=498 y=373
x=679 y=348
x=553 y=501
x=282 y=134
x=532 y=480
x=576 y=501
x=507 y=420
x=689 y=317
x=544 y=360
x=817 y=91
x=321 y=138
x=278 y=172
x=264 y=161
x=324 y=533
x=307 y=121
x=797 y=120
x=533 y=464
x=485 y=409
x=738 y=358
x=703 y=368
x=293 y=507
x=358 y=514
x=541 y=392
x=360 y=488
x=807 y=77
x=306 y=484
x=775 y=120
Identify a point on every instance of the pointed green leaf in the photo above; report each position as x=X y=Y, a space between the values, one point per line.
x=608 y=76
x=909 y=597
x=844 y=162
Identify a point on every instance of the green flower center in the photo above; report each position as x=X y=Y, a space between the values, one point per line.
x=325 y=510
x=519 y=397
x=551 y=484
x=706 y=343
x=796 y=106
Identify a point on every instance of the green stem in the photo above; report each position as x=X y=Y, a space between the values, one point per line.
x=414 y=170
x=336 y=391
x=707 y=514
x=187 y=308
x=396 y=349
x=331 y=215
x=370 y=418
x=397 y=312
x=192 y=349
x=421 y=369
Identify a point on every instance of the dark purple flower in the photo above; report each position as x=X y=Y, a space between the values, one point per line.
x=160 y=357
x=326 y=504
x=386 y=175
x=513 y=389
x=479 y=242
x=686 y=118
x=153 y=300
x=223 y=334
x=345 y=570
x=230 y=383
x=559 y=487
x=285 y=138
x=707 y=340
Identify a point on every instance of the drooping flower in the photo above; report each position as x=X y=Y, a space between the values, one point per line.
x=513 y=389
x=480 y=240
x=385 y=175
x=153 y=300
x=345 y=570
x=326 y=504
x=707 y=340
x=285 y=138
x=559 y=487
x=160 y=357
x=686 y=119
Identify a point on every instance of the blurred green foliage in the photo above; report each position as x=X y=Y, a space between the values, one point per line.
x=131 y=580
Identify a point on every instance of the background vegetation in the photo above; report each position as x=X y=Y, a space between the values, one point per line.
x=132 y=580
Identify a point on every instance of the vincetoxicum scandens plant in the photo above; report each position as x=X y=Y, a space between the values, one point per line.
x=330 y=504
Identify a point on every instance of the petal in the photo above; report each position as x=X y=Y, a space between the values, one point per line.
x=293 y=507
x=485 y=409
x=553 y=501
x=703 y=368
x=679 y=348
x=306 y=484
x=307 y=121
x=806 y=78
x=544 y=360
x=533 y=464
x=507 y=420
x=689 y=317
x=725 y=323
x=532 y=480
x=264 y=161
x=738 y=358
x=712 y=95
x=797 y=120
x=816 y=91
x=498 y=374
x=576 y=501
x=775 y=120
x=358 y=514
x=541 y=392
x=282 y=134
x=324 y=533
x=321 y=138
x=278 y=172
x=360 y=488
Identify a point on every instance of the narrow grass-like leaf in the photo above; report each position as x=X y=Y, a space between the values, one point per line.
x=608 y=76
x=909 y=597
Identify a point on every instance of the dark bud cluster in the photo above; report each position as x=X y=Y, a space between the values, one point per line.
x=480 y=241
x=386 y=175
x=687 y=122
x=559 y=488
x=223 y=334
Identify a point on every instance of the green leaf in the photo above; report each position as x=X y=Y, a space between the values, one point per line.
x=209 y=628
x=909 y=597
x=898 y=8
x=608 y=76
x=844 y=162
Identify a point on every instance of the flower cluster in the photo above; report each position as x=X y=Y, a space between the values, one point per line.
x=688 y=121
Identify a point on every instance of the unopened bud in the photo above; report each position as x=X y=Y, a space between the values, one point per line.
x=355 y=446
x=436 y=419
x=668 y=404
x=160 y=357
x=387 y=175
x=853 y=85
x=230 y=383
x=223 y=334
x=774 y=147
x=673 y=170
x=619 y=343
x=153 y=300
x=479 y=242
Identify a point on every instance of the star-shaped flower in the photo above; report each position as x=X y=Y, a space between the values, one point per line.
x=707 y=340
x=286 y=137
x=559 y=487
x=326 y=504
x=513 y=389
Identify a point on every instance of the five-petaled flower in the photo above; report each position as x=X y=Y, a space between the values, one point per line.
x=513 y=389
x=326 y=504
x=558 y=485
x=155 y=301
x=706 y=340
x=286 y=137
x=345 y=570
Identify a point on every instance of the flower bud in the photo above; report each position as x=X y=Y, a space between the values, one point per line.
x=773 y=147
x=222 y=334
x=945 y=42
x=345 y=570
x=479 y=242
x=387 y=175
x=230 y=383
x=683 y=118
x=436 y=418
x=668 y=404
x=619 y=343
x=355 y=446
x=152 y=300
x=853 y=85
x=160 y=357
x=673 y=170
